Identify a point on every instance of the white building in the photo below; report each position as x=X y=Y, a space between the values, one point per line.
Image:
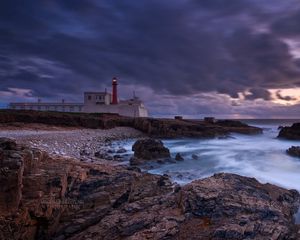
x=94 y=102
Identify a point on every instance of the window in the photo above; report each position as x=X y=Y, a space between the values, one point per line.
x=89 y=97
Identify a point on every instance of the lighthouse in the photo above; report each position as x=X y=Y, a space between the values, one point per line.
x=114 y=91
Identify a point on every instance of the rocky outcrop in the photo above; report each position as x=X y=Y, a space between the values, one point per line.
x=291 y=133
x=59 y=198
x=229 y=206
x=178 y=157
x=153 y=127
x=294 y=151
x=172 y=128
x=148 y=149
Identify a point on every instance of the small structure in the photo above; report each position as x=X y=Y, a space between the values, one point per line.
x=178 y=118
x=94 y=102
x=209 y=120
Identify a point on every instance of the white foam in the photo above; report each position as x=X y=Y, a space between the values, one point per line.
x=262 y=156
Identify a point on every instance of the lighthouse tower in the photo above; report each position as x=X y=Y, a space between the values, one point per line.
x=114 y=91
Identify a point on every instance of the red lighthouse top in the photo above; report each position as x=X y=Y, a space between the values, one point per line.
x=114 y=91
x=114 y=81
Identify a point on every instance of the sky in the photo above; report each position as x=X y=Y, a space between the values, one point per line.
x=237 y=58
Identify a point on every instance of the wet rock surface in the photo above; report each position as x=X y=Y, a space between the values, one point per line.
x=294 y=151
x=148 y=150
x=43 y=197
x=291 y=133
x=178 y=157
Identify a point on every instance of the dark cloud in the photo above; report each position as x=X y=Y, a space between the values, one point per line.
x=287 y=25
x=175 y=47
x=285 y=98
x=256 y=93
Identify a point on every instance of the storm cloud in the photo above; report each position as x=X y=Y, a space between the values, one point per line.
x=59 y=48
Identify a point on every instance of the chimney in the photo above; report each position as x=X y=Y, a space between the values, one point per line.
x=114 y=91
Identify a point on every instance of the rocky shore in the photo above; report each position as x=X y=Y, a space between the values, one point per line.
x=290 y=133
x=53 y=197
x=92 y=145
x=154 y=127
x=294 y=151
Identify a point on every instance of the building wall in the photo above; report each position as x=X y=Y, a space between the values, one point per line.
x=133 y=110
x=126 y=108
x=97 y=98
x=94 y=102
x=48 y=107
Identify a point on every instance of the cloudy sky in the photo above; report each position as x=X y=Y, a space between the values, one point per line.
x=237 y=58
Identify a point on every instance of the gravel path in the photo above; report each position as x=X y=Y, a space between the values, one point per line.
x=80 y=143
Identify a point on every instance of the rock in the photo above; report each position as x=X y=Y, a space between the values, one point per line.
x=117 y=157
x=11 y=171
x=153 y=127
x=84 y=152
x=110 y=151
x=231 y=123
x=148 y=149
x=291 y=133
x=172 y=128
x=64 y=198
x=121 y=150
x=7 y=144
x=100 y=154
x=178 y=157
x=195 y=156
x=294 y=151
x=136 y=161
x=236 y=207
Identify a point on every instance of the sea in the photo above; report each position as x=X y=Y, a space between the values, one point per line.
x=260 y=156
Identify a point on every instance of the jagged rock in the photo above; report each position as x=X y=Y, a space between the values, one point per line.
x=7 y=144
x=11 y=171
x=84 y=152
x=148 y=149
x=195 y=156
x=178 y=157
x=67 y=199
x=236 y=207
x=291 y=133
x=294 y=151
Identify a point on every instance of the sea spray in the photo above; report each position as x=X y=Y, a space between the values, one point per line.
x=261 y=156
